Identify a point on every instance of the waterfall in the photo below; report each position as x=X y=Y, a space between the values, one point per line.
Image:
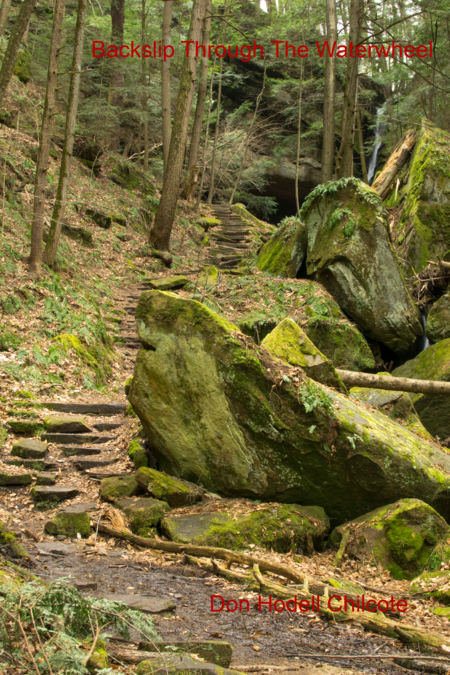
x=378 y=143
x=424 y=341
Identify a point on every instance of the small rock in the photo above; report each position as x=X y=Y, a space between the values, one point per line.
x=25 y=427
x=145 y=604
x=42 y=494
x=143 y=514
x=171 y=490
x=69 y=523
x=168 y=282
x=118 y=487
x=45 y=478
x=85 y=585
x=29 y=448
x=66 y=424
x=81 y=508
x=11 y=479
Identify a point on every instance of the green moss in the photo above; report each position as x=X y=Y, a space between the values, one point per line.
x=284 y=253
x=9 y=541
x=143 y=514
x=167 y=488
x=127 y=385
x=3 y=436
x=137 y=454
x=26 y=427
x=69 y=524
x=97 y=357
x=119 y=487
x=438 y=321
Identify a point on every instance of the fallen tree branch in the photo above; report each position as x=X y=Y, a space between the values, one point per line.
x=394 y=164
x=429 y=387
x=441 y=263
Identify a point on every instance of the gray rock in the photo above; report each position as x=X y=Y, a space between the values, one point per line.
x=45 y=478
x=41 y=494
x=83 y=463
x=29 y=448
x=213 y=651
x=76 y=439
x=81 y=451
x=148 y=605
x=57 y=548
x=64 y=424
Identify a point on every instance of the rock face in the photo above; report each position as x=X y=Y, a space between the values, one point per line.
x=290 y=343
x=277 y=527
x=220 y=412
x=431 y=364
x=350 y=254
x=143 y=514
x=395 y=404
x=401 y=536
x=422 y=232
x=438 y=321
x=285 y=251
x=171 y=490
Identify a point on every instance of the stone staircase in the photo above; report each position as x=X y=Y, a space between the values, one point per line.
x=230 y=241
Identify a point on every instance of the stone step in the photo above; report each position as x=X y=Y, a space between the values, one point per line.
x=76 y=439
x=36 y=464
x=81 y=450
x=98 y=409
x=59 y=493
x=100 y=475
x=108 y=426
x=84 y=463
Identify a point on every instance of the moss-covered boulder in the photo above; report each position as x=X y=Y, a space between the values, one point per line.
x=438 y=321
x=171 y=490
x=118 y=487
x=433 y=585
x=277 y=527
x=220 y=412
x=349 y=252
x=66 y=424
x=395 y=404
x=26 y=427
x=143 y=514
x=431 y=364
x=285 y=252
x=401 y=536
x=137 y=454
x=422 y=200
x=69 y=523
x=29 y=449
x=290 y=343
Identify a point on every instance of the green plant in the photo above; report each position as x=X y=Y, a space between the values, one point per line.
x=312 y=396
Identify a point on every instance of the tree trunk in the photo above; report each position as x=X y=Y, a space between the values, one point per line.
x=71 y=116
x=361 y=147
x=162 y=227
x=394 y=164
x=247 y=142
x=165 y=83
x=299 y=137
x=216 y=137
x=14 y=42
x=344 y=163
x=144 y=88
x=45 y=140
x=4 y=12
x=117 y=79
x=192 y=169
x=329 y=97
x=429 y=387
x=205 y=147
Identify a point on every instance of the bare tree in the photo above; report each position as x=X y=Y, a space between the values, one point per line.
x=69 y=133
x=165 y=82
x=329 y=96
x=117 y=79
x=160 y=233
x=4 y=12
x=144 y=99
x=45 y=140
x=14 y=42
x=216 y=136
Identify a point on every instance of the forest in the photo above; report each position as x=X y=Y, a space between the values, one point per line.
x=224 y=337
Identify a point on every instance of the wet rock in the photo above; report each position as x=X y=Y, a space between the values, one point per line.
x=145 y=604
x=223 y=416
x=25 y=427
x=171 y=490
x=438 y=321
x=395 y=404
x=55 y=493
x=45 y=478
x=400 y=536
x=213 y=651
x=290 y=343
x=280 y=528
x=349 y=252
x=143 y=514
x=18 y=479
x=168 y=283
x=65 y=424
x=118 y=487
x=431 y=364
x=29 y=449
x=69 y=524
x=284 y=253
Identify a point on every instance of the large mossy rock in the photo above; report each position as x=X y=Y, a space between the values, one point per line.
x=395 y=404
x=143 y=514
x=277 y=527
x=285 y=252
x=171 y=490
x=423 y=200
x=401 y=536
x=290 y=343
x=438 y=321
x=431 y=364
x=349 y=252
x=220 y=412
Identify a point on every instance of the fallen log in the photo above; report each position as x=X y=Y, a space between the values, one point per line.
x=430 y=387
x=395 y=162
x=441 y=263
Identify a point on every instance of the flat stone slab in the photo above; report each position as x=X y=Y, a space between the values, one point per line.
x=168 y=282
x=29 y=448
x=140 y=602
x=57 y=548
x=107 y=426
x=43 y=478
x=36 y=464
x=64 y=424
x=100 y=409
x=81 y=508
x=213 y=651
x=25 y=427
x=18 y=479
x=84 y=463
x=85 y=585
x=156 y=664
x=76 y=439
x=41 y=494
x=74 y=451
